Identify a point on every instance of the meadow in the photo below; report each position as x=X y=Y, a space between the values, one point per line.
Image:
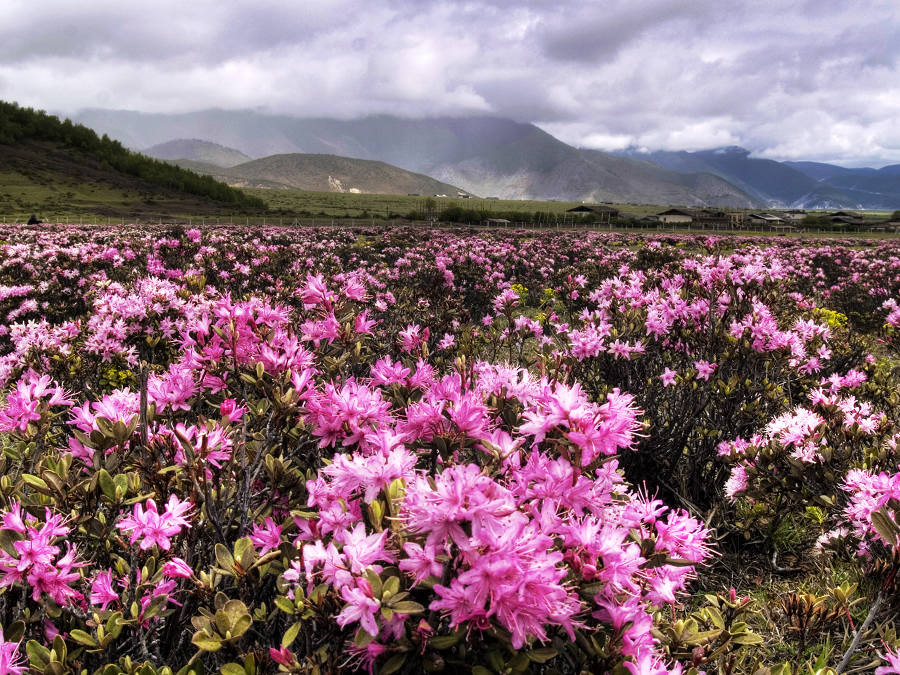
x=401 y=450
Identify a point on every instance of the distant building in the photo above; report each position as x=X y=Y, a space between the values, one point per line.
x=737 y=220
x=763 y=221
x=711 y=218
x=793 y=215
x=601 y=213
x=676 y=216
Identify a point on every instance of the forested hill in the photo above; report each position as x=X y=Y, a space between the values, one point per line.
x=21 y=126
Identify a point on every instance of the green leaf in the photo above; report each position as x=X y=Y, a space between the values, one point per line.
x=393 y=664
x=407 y=607
x=362 y=638
x=53 y=481
x=541 y=655
x=35 y=482
x=233 y=669
x=106 y=484
x=250 y=664
x=748 y=639
x=319 y=592
x=38 y=654
x=233 y=619
x=121 y=483
x=391 y=587
x=290 y=635
x=445 y=641
x=82 y=637
x=14 y=632
x=715 y=617
x=284 y=604
x=206 y=642
x=886 y=527
x=480 y=670
x=375 y=582
x=244 y=552
x=224 y=558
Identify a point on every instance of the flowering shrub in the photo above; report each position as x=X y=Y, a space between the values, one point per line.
x=283 y=450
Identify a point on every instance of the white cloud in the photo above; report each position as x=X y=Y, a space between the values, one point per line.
x=786 y=79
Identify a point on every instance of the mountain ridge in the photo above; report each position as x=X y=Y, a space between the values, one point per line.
x=807 y=185
x=500 y=157
x=197 y=150
x=490 y=156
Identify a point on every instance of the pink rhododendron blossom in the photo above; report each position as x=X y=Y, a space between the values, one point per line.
x=154 y=528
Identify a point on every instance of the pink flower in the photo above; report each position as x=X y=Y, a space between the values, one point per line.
x=283 y=656
x=362 y=324
x=668 y=377
x=177 y=568
x=155 y=528
x=266 y=538
x=893 y=659
x=231 y=411
x=705 y=369
x=361 y=606
x=420 y=563
x=11 y=661
x=446 y=341
x=102 y=592
x=410 y=338
x=736 y=483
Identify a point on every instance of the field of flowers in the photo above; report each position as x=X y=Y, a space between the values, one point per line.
x=374 y=450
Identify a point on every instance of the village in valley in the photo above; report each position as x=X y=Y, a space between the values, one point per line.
x=783 y=221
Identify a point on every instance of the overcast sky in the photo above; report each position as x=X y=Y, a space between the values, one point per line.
x=815 y=79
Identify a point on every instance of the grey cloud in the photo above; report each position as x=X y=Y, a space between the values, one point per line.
x=584 y=34
x=203 y=31
x=783 y=77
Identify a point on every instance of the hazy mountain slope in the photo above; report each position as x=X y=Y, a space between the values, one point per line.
x=767 y=180
x=327 y=173
x=487 y=156
x=537 y=166
x=198 y=151
x=840 y=187
x=812 y=185
x=877 y=191
x=822 y=171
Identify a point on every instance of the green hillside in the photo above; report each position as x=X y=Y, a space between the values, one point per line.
x=48 y=166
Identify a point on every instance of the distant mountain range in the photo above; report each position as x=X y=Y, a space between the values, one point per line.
x=483 y=156
x=808 y=185
x=498 y=157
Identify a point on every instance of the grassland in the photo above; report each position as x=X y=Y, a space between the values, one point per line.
x=366 y=205
x=346 y=205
